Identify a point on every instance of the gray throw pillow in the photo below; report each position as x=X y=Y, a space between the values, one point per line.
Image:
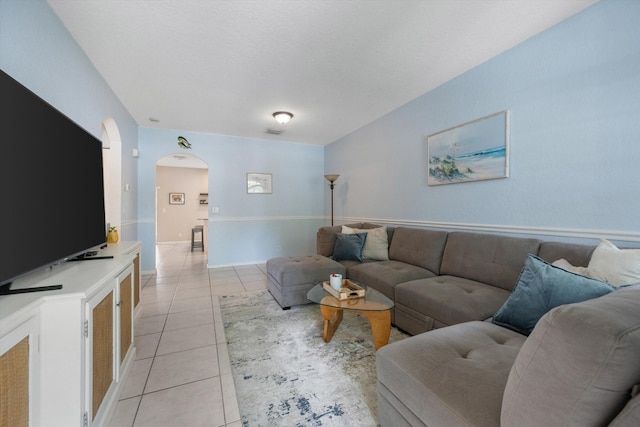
x=349 y=246
x=541 y=287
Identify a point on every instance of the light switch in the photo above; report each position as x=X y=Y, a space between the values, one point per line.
x=215 y=210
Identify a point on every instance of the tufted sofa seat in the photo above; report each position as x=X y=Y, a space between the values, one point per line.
x=290 y=278
x=579 y=367
x=412 y=256
x=449 y=377
x=470 y=262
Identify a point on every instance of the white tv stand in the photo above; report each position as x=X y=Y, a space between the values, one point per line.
x=65 y=353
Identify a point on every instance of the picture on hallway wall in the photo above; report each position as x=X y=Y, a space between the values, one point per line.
x=176 y=198
x=473 y=151
x=259 y=183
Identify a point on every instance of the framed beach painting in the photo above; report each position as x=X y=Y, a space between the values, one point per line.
x=473 y=151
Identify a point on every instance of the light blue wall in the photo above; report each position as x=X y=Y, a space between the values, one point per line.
x=249 y=227
x=37 y=50
x=573 y=95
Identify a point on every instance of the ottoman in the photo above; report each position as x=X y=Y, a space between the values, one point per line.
x=290 y=278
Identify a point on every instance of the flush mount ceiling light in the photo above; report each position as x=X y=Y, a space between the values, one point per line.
x=282 y=117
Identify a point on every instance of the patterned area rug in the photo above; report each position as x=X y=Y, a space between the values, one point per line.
x=286 y=375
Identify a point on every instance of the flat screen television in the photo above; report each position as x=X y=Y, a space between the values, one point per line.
x=51 y=184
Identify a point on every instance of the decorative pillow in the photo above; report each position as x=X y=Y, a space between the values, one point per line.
x=377 y=244
x=541 y=287
x=349 y=246
x=583 y=271
x=618 y=266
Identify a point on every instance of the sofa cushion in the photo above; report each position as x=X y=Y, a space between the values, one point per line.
x=422 y=248
x=290 y=278
x=368 y=225
x=310 y=269
x=452 y=376
x=487 y=258
x=617 y=266
x=583 y=271
x=447 y=300
x=576 y=254
x=385 y=275
x=376 y=247
x=578 y=366
x=541 y=287
x=349 y=246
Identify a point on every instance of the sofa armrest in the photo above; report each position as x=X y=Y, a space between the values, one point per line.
x=326 y=237
x=579 y=364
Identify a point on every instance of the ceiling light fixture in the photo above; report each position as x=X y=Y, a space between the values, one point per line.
x=282 y=117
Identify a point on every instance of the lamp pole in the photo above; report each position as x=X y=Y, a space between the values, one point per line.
x=331 y=178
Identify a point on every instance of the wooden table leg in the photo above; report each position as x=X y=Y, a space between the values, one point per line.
x=332 y=318
x=380 y=322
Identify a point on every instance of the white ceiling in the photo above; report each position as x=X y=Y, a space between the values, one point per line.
x=223 y=66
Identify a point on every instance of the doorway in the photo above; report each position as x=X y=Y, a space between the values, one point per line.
x=182 y=197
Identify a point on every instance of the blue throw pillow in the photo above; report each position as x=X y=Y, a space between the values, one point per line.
x=541 y=287
x=349 y=246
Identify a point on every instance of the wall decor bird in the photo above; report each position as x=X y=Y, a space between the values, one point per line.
x=183 y=143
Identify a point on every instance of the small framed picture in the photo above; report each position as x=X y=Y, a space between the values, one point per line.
x=259 y=183
x=176 y=198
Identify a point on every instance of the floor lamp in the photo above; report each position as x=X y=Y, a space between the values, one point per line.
x=332 y=178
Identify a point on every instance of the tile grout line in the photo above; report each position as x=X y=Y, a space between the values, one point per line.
x=153 y=359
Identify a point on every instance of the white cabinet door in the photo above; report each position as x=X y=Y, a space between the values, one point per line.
x=100 y=334
x=124 y=313
x=109 y=345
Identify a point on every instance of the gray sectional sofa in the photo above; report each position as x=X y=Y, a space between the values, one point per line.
x=438 y=278
x=579 y=366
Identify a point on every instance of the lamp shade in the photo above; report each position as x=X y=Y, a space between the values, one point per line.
x=332 y=177
x=282 y=117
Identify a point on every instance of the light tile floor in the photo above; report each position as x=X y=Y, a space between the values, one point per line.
x=182 y=375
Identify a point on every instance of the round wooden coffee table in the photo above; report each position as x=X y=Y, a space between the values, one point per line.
x=374 y=305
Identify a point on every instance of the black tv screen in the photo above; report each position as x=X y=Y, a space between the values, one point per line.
x=51 y=186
